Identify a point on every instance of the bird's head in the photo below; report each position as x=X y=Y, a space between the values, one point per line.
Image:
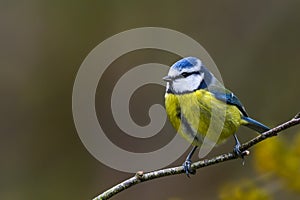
x=187 y=75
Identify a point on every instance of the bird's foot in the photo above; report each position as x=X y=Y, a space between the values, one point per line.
x=239 y=153
x=236 y=149
x=187 y=168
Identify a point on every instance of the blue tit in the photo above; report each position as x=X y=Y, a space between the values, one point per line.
x=192 y=93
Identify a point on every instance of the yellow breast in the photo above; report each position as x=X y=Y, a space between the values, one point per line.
x=199 y=114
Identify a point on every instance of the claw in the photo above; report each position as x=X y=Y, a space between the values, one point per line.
x=187 y=163
x=236 y=149
x=187 y=168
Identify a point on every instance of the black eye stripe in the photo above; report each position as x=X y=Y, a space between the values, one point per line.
x=186 y=74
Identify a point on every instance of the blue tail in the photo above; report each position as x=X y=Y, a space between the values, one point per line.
x=255 y=125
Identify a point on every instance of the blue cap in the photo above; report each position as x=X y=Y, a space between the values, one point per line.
x=185 y=63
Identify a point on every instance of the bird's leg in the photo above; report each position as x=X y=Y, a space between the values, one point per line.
x=187 y=163
x=236 y=148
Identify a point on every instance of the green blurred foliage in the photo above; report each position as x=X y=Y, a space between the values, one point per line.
x=281 y=158
x=244 y=190
x=276 y=161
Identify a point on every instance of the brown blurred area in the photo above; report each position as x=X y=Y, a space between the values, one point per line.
x=43 y=43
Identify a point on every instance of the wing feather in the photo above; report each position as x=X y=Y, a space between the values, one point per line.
x=228 y=97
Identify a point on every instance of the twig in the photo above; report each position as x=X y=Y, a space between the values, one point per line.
x=141 y=176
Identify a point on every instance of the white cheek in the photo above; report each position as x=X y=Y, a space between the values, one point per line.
x=187 y=84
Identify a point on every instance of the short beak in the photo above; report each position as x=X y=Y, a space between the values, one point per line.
x=167 y=78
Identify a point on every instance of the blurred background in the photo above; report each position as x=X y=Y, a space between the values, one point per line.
x=43 y=43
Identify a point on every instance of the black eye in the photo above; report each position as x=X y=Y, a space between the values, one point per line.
x=185 y=74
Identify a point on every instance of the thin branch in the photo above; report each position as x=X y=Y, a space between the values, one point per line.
x=142 y=177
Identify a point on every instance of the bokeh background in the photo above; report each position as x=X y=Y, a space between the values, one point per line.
x=255 y=45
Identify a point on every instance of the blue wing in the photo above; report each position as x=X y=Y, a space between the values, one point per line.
x=228 y=97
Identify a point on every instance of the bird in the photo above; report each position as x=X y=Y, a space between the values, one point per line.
x=193 y=95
